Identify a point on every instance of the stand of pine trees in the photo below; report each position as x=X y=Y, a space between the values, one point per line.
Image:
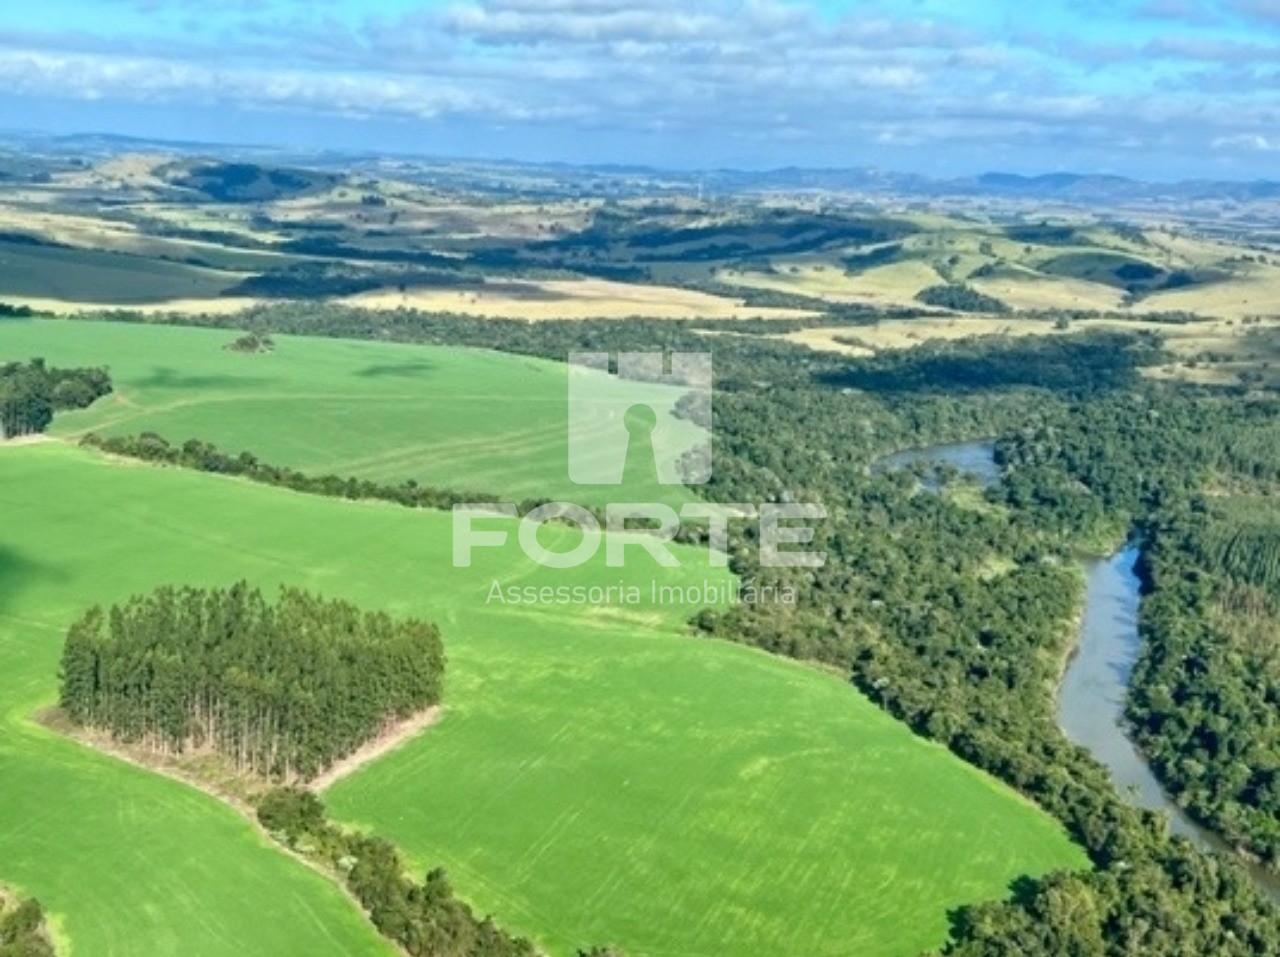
x=282 y=690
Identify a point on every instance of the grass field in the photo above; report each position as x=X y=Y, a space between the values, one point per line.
x=453 y=418
x=95 y=233
x=1021 y=288
x=128 y=863
x=895 y=284
x=595 y=776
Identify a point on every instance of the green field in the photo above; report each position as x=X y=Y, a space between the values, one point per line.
x=597 y=775
x=453 y=418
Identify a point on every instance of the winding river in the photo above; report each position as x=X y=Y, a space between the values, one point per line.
x=1090 y=705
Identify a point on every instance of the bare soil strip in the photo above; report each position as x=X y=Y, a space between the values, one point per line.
x=385 y=743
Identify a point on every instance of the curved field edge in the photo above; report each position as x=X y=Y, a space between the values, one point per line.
x=775 y=811
x=465 y=419
x=596 y=776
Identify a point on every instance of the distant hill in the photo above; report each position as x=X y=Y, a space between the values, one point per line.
x=246 y=182
x=1087 y=189
x=223 y=175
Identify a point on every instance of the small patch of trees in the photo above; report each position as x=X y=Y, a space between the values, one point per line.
x=317 y=280
x=31 y=393
x=253 y=342
x=280 y=689
x=22 y=930
x=1078 y=365
x=960 y=297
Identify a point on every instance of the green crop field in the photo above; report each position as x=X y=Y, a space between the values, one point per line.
x=596 y=775
x=453 y=418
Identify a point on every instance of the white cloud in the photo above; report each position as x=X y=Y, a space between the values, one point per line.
x=1253 y=142
x=94 y=77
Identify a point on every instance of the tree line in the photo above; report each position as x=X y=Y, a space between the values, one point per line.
x=280 y=689
x=424 y=918
x=30 y=394
x=207 y=457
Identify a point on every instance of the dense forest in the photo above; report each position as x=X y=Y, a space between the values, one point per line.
x=22 y=929
x=1204 y=695
x=280 y=689
x=425 y=919
x=1077 y=365
x=31 y=393
x=1206 y=701
x=956 y=619
x=955 y=615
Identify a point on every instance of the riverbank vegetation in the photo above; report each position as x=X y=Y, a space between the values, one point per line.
x=1206 y=700
x=970 y=659
x=1196 y=475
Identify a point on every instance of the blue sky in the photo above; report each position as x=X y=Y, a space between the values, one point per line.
x=1157 y=88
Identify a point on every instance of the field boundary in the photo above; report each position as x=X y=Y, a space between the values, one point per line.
x=397 y=736
x=55 y=721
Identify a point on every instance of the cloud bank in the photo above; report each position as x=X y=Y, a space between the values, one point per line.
x=1177 y=84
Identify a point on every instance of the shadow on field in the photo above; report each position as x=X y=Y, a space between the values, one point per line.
x=397 y=370
x=16 y=572
x=163 y=377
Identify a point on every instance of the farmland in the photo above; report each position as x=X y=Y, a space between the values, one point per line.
x=56 y=273
x=587 y=722
x=203 y=236
x=99 y=841
x=452 y=418
x=870 y=767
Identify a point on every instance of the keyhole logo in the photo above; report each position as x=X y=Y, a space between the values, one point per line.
x=616 y=435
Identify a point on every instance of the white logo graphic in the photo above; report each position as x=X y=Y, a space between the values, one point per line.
x=613 y=417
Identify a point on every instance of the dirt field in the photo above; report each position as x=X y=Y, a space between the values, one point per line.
x=217 y=306
x=571 y=299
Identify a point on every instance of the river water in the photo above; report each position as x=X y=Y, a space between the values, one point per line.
x=1090 y=703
